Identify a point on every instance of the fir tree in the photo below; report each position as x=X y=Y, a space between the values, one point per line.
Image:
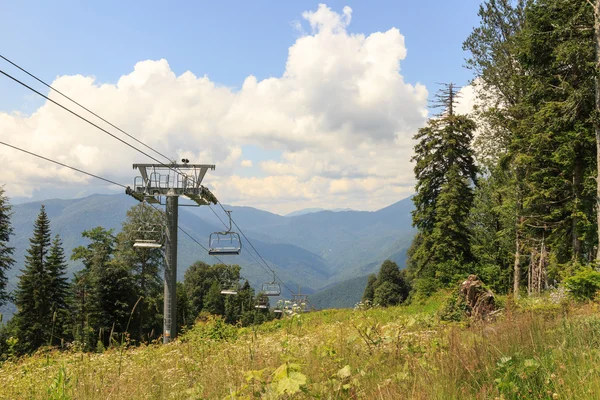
x=32 y=298
x=6 y=252
x=446 y=173
x=58 y=289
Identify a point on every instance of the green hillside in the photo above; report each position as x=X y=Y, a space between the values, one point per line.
x=341 y=295
x=312 y=250
x=396 y=353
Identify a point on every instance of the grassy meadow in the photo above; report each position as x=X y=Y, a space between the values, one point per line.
x=533 y=350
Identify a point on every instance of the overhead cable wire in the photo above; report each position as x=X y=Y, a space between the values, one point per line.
x=82 y=106
x=63 y=165
x=122 y=141
x=251 y=255
x=88 y=121
x=256 y=251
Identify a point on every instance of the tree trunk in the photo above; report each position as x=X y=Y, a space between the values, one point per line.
x=597 y=32
x=577 y=178
x=517 y=269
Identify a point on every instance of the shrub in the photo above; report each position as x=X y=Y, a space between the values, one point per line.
x=584 y=284
x=211 y=327
x=455 y=308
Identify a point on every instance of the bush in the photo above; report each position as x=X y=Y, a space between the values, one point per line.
x=423 y=288
x=210 y=327
x=455 y=308
x=584 y=284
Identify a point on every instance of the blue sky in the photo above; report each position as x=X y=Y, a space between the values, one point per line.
x=228 y=41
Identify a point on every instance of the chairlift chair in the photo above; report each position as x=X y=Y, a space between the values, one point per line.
x=225 y=243
x=262 y=302
x=229 y=287
x=279 y=307
x=271 y=288
x=149 y=236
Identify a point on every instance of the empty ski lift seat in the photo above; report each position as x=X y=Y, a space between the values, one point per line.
x=151 y=244
x=229 y=286
x=224 y=243
x=149 y=236
x=262 y=302
x=271 y=289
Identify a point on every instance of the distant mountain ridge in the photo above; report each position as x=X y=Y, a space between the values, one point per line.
x=314 y=250
x=314 y=210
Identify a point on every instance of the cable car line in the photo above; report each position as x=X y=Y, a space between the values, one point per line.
x=267 y=269
x=87 y=120
x=63 y=165
x=82 y=106
x=254 y=248
x=127 y=144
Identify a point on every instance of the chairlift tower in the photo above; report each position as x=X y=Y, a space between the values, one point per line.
x=171 y=181
x=301 y=300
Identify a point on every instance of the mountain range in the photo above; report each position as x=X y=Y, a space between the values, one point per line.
x=329 y=251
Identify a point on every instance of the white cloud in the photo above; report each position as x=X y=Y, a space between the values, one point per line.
x=341 y=115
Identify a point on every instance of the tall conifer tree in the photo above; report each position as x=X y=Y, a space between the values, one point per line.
x=34 y=311
x=58 y=289
x=446 y=173
x=6 y=252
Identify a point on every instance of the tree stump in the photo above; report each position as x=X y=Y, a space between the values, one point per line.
x=478 y=299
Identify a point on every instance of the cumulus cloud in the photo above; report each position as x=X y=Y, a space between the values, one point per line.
x=341 y=116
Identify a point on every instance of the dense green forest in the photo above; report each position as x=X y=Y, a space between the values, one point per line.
x=117 y=296
x=510 y=191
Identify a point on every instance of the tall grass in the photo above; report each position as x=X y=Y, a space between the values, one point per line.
x=396 y=353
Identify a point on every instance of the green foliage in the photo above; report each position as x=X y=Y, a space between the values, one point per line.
x=35 y=314
x=369 y=292
x=6 y=251
x=145 y=267
x=387 y=288
x=210 y=327
x=214 y=301
x=455 y=308
x=519 y=377
x=584 y=285
x=387 y=294
x=58 y=293
x=535 y=68
x=61 y=386
x=103 y=293
x=446 y=172
x=288 y=379
x=341 y=295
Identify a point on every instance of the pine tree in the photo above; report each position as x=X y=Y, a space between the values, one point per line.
x=369 y=292
x=32 y=298
x=446 y=174
x=6 y=252
x=58 y=290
